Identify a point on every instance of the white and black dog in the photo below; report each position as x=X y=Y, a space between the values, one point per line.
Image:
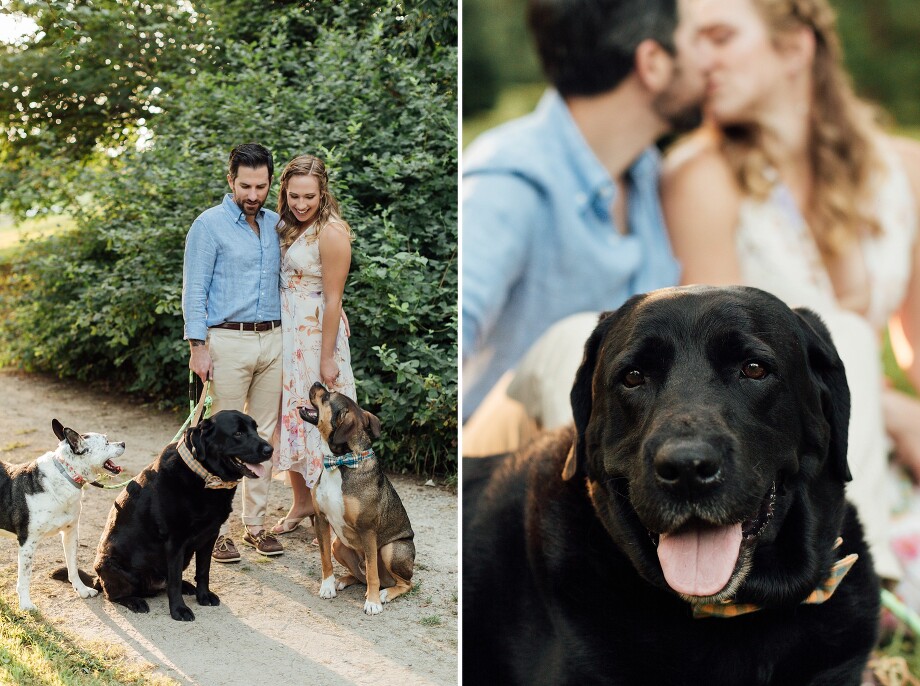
x=43 y=497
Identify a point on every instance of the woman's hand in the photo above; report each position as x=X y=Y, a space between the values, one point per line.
x=328 y=372
x=902 y=422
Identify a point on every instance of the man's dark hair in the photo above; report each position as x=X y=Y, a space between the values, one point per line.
x=589 y=46
x=251 y=155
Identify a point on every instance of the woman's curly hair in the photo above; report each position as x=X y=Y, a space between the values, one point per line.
x=288 y=226
x=842 y=155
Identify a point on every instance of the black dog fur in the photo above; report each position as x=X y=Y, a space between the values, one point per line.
x=562 y=582
x=165 y=515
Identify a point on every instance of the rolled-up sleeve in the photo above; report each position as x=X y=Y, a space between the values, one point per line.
x=500 y=213
x=197 y=272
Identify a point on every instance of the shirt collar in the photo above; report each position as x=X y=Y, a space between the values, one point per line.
x=234 y=210
x=599 y=190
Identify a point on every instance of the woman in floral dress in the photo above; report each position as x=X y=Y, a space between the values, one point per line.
x=315 y=258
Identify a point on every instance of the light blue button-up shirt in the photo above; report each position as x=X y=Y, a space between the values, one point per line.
x=230 y=274
x=539 y=240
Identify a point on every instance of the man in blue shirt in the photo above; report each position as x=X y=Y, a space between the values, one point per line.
x=560 y=207
x=232 y=308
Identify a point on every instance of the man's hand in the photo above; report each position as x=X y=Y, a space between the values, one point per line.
x=200 y=361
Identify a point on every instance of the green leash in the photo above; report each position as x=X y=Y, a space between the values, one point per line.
x=901 y=611
x=197 y=411
x=201 y=410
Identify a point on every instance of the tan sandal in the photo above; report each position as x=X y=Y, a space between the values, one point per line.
x=288 y=525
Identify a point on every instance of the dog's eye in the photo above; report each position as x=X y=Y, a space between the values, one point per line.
x=237 y=434
x=633 y=378
x=754 y=370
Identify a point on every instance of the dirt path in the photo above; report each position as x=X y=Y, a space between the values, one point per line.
x=271 y=626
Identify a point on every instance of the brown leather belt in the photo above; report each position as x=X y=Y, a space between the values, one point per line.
x=249 y=326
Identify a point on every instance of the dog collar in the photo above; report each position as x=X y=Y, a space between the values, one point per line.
x=352 y=459
x=824 y=591
x=73 y=476
x=210 y=480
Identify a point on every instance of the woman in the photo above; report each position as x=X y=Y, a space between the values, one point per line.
x=315 y=258
x=794 y=189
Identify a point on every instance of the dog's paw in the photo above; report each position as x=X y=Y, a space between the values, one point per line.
x=384 y=596
x=208 y=599
x=327 y=588
x=182 y=614
x=27 y=605
x=344 y=582
x=372 y=608
x=188 y=588
x=138 y=605
x=86 y=591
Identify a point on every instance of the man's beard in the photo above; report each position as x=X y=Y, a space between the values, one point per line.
x=672 y=105
x=249 y=213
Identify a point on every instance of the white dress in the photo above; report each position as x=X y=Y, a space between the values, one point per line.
x=302 y=305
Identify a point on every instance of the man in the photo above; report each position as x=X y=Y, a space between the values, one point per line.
x=560 y=207
x=232 y=309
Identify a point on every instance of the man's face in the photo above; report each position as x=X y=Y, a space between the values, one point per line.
x=680 y=104
x=250 y=188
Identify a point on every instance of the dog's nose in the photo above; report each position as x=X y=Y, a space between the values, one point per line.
x=267 y=449
x=688 y=466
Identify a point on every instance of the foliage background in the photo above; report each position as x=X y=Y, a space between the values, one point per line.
x=880 y=43
x=122 y=114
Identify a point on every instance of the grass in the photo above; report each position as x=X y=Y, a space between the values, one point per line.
x=433 y=620
x=33 y=652
x=13 y=234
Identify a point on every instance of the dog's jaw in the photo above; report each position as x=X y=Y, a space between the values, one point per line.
x=705 y=562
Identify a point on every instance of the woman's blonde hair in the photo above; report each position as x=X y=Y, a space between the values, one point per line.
x=288 y=226
x=840 y=133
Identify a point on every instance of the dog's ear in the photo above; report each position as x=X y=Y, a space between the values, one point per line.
x=371 y=424
x=196 y=435
x=345 y=426
x=74 y=440
x=58 y=429
x=830 y=377
x=581 y=396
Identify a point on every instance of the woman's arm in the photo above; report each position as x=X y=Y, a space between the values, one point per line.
x=902 y=412
x=905 y=326
x=701 y=201
x=335 y=255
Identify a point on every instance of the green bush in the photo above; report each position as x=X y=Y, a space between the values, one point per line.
x=371 y=92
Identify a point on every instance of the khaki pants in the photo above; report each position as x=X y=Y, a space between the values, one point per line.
x=247 y=377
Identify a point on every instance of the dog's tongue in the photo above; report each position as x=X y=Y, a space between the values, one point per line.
x=699 y=560
x=257 y=469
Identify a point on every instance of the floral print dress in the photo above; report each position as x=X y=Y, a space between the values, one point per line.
x=302 y=305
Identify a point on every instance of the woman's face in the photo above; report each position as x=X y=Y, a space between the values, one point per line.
x=303 y=197
x=743 y=68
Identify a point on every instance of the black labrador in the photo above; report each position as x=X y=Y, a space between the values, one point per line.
x=687 y=530
x=173 y=510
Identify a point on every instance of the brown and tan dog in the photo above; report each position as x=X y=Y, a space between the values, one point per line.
x=354 y=497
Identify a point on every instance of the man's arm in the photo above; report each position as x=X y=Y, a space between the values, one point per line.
x=500 y=215
x=197 y=272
